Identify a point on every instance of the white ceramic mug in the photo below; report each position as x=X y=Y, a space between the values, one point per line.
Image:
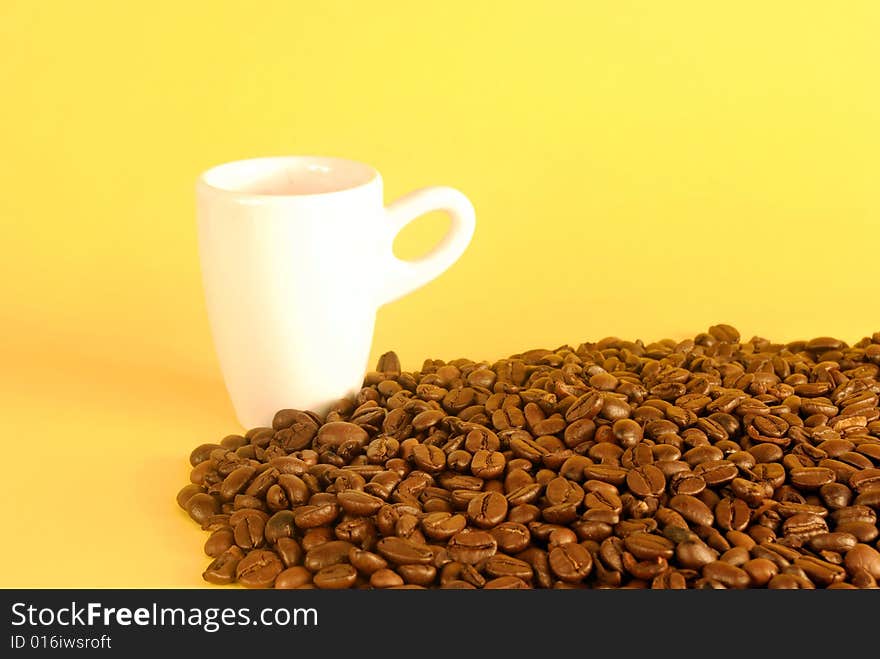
x=296 y=260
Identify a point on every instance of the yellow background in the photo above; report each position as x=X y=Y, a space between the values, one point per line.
x=641 y=169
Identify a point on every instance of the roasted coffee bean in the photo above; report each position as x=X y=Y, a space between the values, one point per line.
x=716 y=472
x=219 y=541
x=258 y=569
x=760 y=571
x=290 y=551
x=418 y=575
x=249 y=530
x=870 y=498
x=512 y=537
x=837 y=542
x=570 y=563
x=326 y=554
x=646 y=481
x=804 y=526
x=863 y=557
x=187 y=492
x=487 y=509
x=608 y=473
x=336 y=577
x=293 y=577
x=728 y=575
x=442 y=525
x=506 y=583
x=502 y=565
x=487 y=464
x=366 y=562
x=359 y=503
x=337 y=433
x=646 y=546
x=429 y=458
x=732 y=514
x=707 y=463
x=561 y=490
x=401 y=551
x=685 y=482
x=811 y=478
x=692 y=509
x=385 y=578
x=819 y=571
x=201 y=506
x=222 y=569
x=694 y=554
x=472 y=547
x=586 y=406
x=202 y=453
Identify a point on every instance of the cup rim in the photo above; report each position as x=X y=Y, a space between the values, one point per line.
x=360 y=173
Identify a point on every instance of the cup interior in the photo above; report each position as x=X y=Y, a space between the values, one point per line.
x=289 y=176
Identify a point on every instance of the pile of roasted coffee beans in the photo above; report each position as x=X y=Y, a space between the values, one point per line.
x=705 y=463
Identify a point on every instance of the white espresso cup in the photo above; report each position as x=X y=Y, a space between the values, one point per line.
x=296 y=257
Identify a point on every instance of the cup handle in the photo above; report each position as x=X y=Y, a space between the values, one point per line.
x=406 y=276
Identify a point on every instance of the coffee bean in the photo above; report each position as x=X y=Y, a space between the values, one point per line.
x=586 y=406
x=359 y=503
x=187 y=492
x=708 y=463
x=249 y=530
x=819 y=571
x=337 y=433
x=728 y=575
x=838 y=542
x=295 y=430
x=694 y=554
x=760 y=571
x=385 y=578
x=327 y=554
x=443 y=525
x=202 y=453
x=401 y=551
x=570 y=563
x=308 y=517
x=865 y=479
x=811 y=478
x=716 y=472
x=692 y=509
x=487 y=509
x=512 y=537
x=804 y=526
x=222 y=569
x=732 y=514
x=201 y=506
x=502 y=565
x=293 y=577
x=472 y=547
x=863 y=557
x=289 y=550
x=219 y=541
x=258 y=569
x=366 y=562
x=686 y=482
x=646 y=481
x=336 y=577
x=870 y=498
x=487 y=464
x=753 y=493
x=646 y=546
x=429 y=458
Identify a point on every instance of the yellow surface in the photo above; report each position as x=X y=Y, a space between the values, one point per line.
x=639 y=168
